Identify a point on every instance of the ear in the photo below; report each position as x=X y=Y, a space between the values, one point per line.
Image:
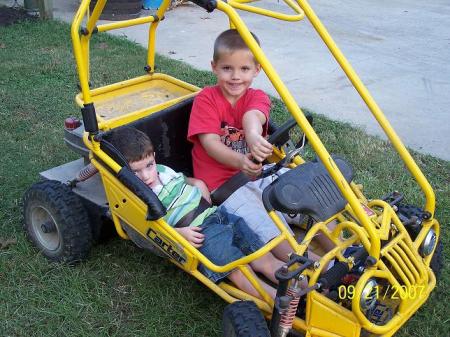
x=213 y=67
x=258 y=69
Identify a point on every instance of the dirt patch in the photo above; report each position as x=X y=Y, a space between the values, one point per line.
x=9 y=15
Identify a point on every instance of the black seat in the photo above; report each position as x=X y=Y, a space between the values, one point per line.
x=308 y=189
x=167 y=130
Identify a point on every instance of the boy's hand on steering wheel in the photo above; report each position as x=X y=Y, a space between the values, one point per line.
x=249 y=167
x=259 y=147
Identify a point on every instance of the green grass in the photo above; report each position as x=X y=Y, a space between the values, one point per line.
x=121 y=290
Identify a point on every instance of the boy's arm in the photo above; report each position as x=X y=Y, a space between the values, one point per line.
x=201 y=186
x=252 y=123
x=192 y=235
x=223 y=154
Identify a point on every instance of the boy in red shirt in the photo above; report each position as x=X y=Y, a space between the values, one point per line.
x=227 y=126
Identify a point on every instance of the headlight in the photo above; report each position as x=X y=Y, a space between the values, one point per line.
x=428 y=243
x=369 y=295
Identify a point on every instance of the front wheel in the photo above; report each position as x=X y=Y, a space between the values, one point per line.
x=57 y=222
x=437 y=261
x=244 y=319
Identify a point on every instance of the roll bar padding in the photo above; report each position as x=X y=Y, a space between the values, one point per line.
x=155 y=208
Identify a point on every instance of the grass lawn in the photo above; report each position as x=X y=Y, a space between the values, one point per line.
x=121 y=290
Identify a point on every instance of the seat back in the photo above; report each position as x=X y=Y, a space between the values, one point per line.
x=167 y=130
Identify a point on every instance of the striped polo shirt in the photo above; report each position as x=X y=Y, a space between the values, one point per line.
x=178 y=197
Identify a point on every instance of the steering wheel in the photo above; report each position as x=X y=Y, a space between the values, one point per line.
x=281 y=134
x=279 y=138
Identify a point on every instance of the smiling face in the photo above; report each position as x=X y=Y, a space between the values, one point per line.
x=145 y=169
x=235 y=72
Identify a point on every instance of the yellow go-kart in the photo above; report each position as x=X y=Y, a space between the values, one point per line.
x=386 y=254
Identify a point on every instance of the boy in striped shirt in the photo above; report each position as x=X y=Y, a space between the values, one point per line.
x=220 y=236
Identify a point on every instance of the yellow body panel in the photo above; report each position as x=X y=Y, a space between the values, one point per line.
x=325 y=316
x=131 y=96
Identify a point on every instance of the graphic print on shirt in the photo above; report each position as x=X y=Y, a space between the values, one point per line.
x=234 y=138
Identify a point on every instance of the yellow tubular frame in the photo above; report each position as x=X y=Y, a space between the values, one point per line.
x=81 y=42
x=239 y=4
x=401 y=252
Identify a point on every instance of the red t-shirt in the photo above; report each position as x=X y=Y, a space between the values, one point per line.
x=212 y=113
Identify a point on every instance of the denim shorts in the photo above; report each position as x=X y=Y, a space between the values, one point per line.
x=227 y=238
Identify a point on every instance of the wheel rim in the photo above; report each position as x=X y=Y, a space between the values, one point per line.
x=45 y=228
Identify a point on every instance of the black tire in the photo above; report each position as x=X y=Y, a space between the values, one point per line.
x=437 y=261
x=56 y=222
x=244 y=319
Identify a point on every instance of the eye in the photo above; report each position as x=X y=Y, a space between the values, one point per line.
x=150 y=164
x=226 y=68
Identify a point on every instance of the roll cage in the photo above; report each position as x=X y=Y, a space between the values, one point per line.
x=102 y=113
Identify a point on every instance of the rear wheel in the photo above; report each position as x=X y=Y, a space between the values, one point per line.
x=244 y=319
x=56 y=222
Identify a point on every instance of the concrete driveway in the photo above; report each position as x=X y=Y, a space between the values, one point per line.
x=399 y=48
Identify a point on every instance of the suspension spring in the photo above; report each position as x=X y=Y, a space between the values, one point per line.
x=86 y=172
x=288 y=315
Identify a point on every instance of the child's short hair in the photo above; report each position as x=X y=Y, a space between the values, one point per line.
x=133 y=144
x=228 y=42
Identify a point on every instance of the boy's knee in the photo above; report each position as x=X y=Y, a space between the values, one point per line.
x=236 y=276
x=265 y=263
